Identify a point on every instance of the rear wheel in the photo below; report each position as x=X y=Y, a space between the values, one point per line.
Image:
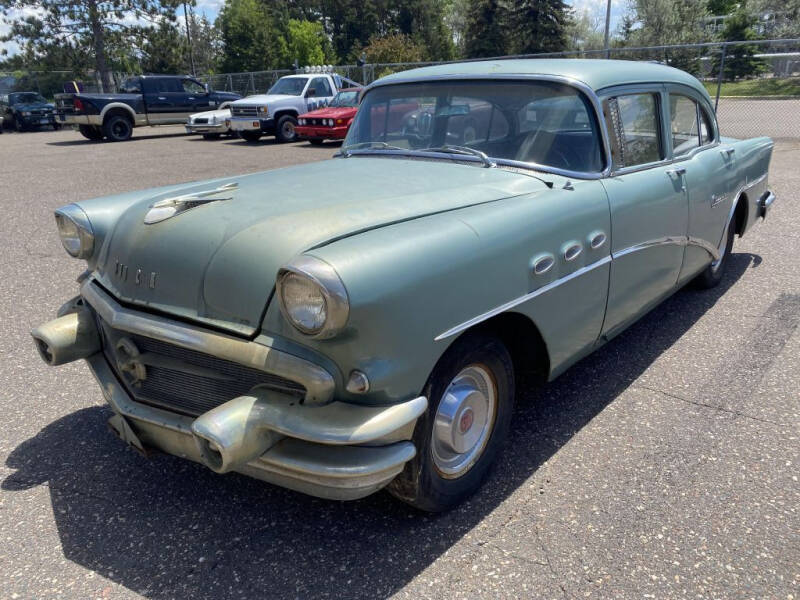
x=91 y=132
x=714 y=272
x=251 y=136
x=117 y=128
x=286 y=129
x=470 y=401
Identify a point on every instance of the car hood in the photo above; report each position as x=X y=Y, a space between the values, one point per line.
x=335 y=112
x=217 y=263
x=33 y=106
x=261 y=99
x=220 y=113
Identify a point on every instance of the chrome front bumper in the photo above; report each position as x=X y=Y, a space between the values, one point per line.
x=321 y=447
x=206 y=128
x=765 y=203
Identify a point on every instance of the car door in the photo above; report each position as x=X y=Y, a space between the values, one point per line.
x=197 y=97
x=167 y=102
x=649 y=206
x=710 y=176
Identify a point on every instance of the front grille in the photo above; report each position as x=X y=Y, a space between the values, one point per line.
x=200 y=121
x=244 y=111
x=188 y=381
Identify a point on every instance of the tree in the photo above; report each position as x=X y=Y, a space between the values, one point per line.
x=423 y=21
x=307 y=42
x=455 y=19
x=485 y=34
x=740 y=61
x=718 y=8
x=160 y=53
x=394 y=48
x=206 y=44
x=87 y=24
x=252 y=37
x=538 y=26
x=585 y=32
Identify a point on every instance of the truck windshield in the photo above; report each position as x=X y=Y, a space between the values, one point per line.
x=345 y=99
x=537 y=122
x=290 y=86
x=25 y=98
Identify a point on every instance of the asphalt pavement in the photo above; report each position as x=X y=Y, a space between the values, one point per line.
x=665 y=465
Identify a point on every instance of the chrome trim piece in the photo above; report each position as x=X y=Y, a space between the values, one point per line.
x=76 y=215
x=522 y=299
x=327 y=279
x=543 y=264
x=573 y=251
x=765 y=203
x=596 y=240
x=707 y=246
x=169 y=207
x=318 y=382
x=669 y=241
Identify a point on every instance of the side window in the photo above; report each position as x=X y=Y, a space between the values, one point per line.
x=706 y=128
x=192 y=87
x=131 y=85
x=634 y=121
x=683 y=124
x=322 y=87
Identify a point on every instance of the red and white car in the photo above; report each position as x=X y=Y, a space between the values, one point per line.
x=331 y=122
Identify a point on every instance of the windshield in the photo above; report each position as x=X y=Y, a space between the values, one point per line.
x=290 y=86
x=539 y=122
x=345 y=99
x=25 y=98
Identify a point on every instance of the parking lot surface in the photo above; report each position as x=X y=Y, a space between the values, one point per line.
x=665 y=465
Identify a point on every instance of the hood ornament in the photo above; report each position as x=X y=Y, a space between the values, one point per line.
x=169 y=207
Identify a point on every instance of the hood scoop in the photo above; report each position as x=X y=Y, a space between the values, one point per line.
x=170 y=207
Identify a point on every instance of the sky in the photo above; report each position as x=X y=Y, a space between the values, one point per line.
x=210 y=8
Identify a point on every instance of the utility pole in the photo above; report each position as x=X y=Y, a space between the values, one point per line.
x=608 y=26
x=189 y=39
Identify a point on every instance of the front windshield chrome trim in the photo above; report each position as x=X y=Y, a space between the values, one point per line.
x=581 y=86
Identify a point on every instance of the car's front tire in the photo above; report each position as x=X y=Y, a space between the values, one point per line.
x=470 y=401
x=714 y=272
x=250 y=136
x=285 y=131
x=117 y=128
x=211 y=136
x=316 y=141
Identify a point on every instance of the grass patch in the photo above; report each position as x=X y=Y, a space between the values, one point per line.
x=789 y=86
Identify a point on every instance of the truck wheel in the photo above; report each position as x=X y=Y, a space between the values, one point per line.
x=316 y=141
x=91 y=132
x=286 y=129
x=117 y=128
x=251 y=136
x=470 y=400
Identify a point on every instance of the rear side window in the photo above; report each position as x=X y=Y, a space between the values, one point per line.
x=683 y=125
x=706 y=128
x=321 y=86
x=633 y=119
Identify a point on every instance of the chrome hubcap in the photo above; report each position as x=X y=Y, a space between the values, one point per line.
x=464 y=421
x=288 y=129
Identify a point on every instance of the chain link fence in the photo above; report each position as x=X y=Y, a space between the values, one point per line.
x=755 y=85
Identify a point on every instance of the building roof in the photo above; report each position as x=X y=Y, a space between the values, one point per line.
x=595 y=73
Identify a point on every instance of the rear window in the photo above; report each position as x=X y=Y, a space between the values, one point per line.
x=633 y=120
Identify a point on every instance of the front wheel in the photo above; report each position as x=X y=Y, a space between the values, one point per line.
x=316 y=141
x=286 y=129
x=19 y=126
x=470 y=400
x=250 y=136
x=714 y=272
x=211 y=136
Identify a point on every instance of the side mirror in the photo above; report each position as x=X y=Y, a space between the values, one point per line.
x=311 y=92
x=208 y=91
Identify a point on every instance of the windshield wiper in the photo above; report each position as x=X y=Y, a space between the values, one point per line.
x=345 y=152
x=448 y=149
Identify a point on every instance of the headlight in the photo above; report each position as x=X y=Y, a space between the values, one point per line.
x=26 y=113
x=312 y=297
x=302 y=121
x=330 y=122
x=77 y=235
x=262 y=109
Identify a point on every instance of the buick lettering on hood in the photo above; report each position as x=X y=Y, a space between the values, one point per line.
x=499 y=217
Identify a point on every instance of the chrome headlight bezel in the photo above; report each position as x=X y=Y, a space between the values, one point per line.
x=327 y=280
x=82 y=242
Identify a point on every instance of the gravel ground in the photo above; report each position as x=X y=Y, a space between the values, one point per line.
x=663 y=466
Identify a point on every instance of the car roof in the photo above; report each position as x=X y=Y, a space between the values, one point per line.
x=351 y=89
x=595 y=73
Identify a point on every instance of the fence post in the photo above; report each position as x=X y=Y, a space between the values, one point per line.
x=719 y=77
x=229 y=87
x=252 y=84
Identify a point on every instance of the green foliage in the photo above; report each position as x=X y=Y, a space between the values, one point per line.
x=486 y=29
x=160 y=53
x=393 y=48
x=772 y=86
x=740 y=61
x=307 y=42
x=538 y=26
x=584 y=32
x=252 y=36
x=718 y=8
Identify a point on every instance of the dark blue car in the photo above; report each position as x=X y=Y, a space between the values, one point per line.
x=27 y=110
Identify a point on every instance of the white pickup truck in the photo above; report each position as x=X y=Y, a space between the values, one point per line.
x=275 y=113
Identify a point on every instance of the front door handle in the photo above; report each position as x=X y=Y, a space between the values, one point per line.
x=162 y=97
x=727 y=151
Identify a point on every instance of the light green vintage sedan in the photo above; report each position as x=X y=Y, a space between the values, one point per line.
x=357 y=323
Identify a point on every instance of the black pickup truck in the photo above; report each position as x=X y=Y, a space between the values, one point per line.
x=141 y=101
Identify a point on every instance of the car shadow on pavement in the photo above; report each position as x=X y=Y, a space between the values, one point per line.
x=80 y=140
x=168 y=528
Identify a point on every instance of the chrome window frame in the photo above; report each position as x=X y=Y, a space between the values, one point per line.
x=580 y=86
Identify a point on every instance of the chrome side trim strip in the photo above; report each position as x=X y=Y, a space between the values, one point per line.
x=517 y=301
x=664 y=241
x=318 y=382
x=707 y=246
